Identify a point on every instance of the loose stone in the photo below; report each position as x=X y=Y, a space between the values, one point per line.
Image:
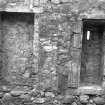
x=49 y=94
x=99 y=100
x=84 y=98
x=68 y=99
x=39 y=100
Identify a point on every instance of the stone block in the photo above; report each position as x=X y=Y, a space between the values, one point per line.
x=18 y=91
x=25 y=96
x=75 y=72
x=6 y=96
x=84 y=99
x=39 y=100
x=76 y=54
x=62 y=82
x=49 y=94
x=1 y=94
x=77 y=41
x=36 y=2
x=93 y=14
x=74 y=103
x=102 y=4
x=26 y=74
x=68 y=99
x=55 y=1
x=99 y=100
x=92 y=90
x=3 y=3
x=38 y=10
x=65 y=1
x=6 y=89
x=77 y=27
x=43 y=1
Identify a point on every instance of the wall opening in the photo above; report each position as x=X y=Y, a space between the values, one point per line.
x=16 y=35
x=92 y=52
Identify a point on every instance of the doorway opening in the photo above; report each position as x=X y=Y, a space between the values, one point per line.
x=92 y=52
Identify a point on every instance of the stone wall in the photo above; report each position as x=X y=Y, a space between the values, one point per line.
x=60 y=41
x=61 y=26
x=55 y=35
x=40 y=51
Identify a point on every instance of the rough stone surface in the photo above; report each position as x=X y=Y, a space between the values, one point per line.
x=99 y=100
x=55 y=1
x=17 y=46
x=49 y=94
x=84 y=99
x=39 y=101
x=68 y=99
x=42 y=52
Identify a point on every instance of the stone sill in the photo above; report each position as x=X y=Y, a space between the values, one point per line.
x=93 y=90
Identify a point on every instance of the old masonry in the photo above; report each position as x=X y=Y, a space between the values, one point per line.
x=52 y=52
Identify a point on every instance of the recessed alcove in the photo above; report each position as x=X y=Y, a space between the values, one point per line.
x=16 y=38
x=92 y=52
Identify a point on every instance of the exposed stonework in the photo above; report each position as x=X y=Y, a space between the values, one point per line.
x=41 y=52
x=17 y=44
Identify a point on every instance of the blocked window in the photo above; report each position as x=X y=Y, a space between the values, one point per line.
x=16 y=35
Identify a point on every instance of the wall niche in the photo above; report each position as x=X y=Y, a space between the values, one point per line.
x=16 y=38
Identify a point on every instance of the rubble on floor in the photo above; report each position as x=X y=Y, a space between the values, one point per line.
x=30 y=96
